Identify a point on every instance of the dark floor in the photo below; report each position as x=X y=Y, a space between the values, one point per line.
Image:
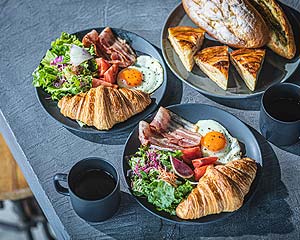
x=7 y=214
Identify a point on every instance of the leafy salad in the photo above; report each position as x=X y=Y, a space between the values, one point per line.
x=153 y=177
x=67 y=68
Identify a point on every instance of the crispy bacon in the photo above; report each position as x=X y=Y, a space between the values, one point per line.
x=168 y=130
x=165 y=119
x=149 y=137
x=120 y=52
x=109 y=47
x=92 y=38
x=112 y=53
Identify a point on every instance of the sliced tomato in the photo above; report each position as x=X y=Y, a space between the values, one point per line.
x=204 y=161
x=97 y=82
x=111 y=74
x=103 y=66
x=191 y=153
x=199 y=172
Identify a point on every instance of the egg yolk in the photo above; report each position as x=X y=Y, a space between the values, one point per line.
x=130 y=77
x=214 y=141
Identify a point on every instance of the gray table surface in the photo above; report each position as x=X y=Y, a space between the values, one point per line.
x=42 y=147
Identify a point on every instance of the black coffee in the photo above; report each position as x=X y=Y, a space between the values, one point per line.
x=94 y=184
x=285 y=109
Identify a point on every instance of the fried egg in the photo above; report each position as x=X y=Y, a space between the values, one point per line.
x=145 y=75
x=216 y=141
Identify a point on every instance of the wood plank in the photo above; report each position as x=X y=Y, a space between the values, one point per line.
x=13 y=185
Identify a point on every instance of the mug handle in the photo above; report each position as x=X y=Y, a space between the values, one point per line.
x=59 y=188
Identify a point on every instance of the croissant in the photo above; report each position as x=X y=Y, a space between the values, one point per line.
x=103 y=107
x=221 y=189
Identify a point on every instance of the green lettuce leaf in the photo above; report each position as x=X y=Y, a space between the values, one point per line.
x=62 y=81
x=161 y=194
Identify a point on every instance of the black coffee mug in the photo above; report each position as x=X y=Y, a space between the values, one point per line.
x=92 y=200
x=279 y=114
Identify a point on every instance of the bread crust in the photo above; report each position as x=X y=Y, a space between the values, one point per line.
x=186 y=41
x=234 y=22
x=282 y=39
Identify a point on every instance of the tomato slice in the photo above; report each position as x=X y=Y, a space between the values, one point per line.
x=103 y=66
x=191 y=153
x=204 y=161
x=199 y=172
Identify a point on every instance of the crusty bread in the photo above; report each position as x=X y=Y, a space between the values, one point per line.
x=248 y=63
x=282 y=39
x=214 y=62
x=233 y=22
x=186 y=41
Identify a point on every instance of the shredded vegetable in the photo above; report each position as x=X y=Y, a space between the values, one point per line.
x=58 y=76
x=152 y=177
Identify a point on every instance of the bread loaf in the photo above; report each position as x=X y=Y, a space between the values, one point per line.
x=233 y=22
x=282 y=39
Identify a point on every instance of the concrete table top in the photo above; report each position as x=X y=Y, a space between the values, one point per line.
x=42 y=147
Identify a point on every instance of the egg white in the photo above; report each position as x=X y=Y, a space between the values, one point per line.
x=232 y=149
x=153 y=74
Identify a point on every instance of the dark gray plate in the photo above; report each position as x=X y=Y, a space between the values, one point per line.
x=193 y=113
x=275 y=68
x=141 y=46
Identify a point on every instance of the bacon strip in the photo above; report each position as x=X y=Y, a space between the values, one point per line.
x=149 y=137
x=109 y=47
x=168 y=130
x=92 y=38
x=117 y=48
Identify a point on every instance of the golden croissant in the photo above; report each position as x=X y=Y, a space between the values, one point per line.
x=221 y=189
x=103 y=107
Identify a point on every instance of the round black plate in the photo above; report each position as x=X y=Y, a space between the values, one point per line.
x=274 y=70
x=193 y=113
x=141 y=47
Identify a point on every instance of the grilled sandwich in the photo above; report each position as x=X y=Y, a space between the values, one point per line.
x=186 y=41
x=248 y=63
x=214 y=62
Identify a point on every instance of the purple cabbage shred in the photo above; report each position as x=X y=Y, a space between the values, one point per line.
x=57 y=60
x=59 y=82
x=152 y=163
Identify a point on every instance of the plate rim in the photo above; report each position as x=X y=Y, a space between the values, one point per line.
x=91 y=129
x=230 y=97
x=258 y=177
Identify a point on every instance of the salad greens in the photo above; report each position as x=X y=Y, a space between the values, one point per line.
x=152 y=176
x=57 y=76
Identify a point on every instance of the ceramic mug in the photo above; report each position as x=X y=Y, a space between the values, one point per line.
x=90 y=209
x=280 y=124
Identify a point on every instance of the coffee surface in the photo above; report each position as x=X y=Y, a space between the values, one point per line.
x=94 y=184
x=285 y=109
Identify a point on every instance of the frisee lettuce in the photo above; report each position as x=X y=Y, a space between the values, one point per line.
x=145 y=181
x=61 y=79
